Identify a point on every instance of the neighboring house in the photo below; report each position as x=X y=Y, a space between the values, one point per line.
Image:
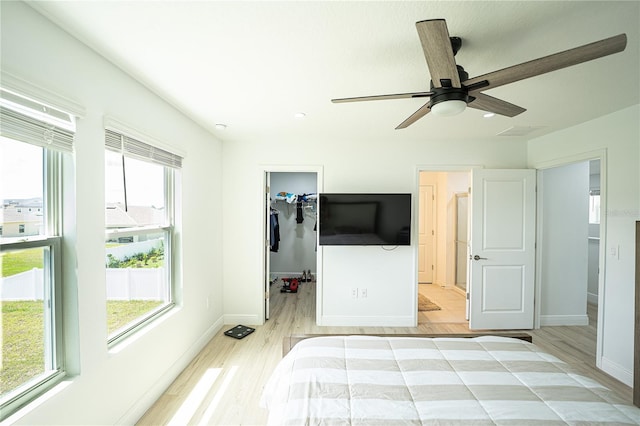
x=118 y=217
x=21 y=218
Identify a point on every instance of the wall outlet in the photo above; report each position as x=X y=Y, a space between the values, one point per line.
x=363 y=293
x=354 y=292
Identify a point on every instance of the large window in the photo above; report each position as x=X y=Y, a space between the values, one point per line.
x=139 y=216
x=33 y=138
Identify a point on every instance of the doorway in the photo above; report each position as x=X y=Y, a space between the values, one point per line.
x=569 y=237
x=591 y=182
x=291 y=255
x=442 y=249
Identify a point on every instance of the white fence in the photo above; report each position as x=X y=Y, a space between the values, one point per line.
x=122 y=284
x=25 y=286
x=136 y=284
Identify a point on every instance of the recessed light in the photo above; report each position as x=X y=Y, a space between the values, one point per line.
x=488 y=115
x=300 y=115
x=221 y=126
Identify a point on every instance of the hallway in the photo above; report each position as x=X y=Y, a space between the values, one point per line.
x=451 y=301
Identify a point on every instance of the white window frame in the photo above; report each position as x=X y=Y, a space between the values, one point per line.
x=59 y=114
x=54 y=335
x=168 y=229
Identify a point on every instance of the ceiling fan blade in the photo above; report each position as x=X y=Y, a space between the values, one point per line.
x=550 y=63
x=436 y=45
x=383 y=97
x=424 y=110
x=490 y=104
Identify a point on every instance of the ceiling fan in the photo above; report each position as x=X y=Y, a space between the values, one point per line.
x=451 y=88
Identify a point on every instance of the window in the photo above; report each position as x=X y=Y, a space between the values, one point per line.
x=33 y=139
x=139 y=212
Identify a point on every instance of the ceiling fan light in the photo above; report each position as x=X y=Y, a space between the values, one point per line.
x=448 y=108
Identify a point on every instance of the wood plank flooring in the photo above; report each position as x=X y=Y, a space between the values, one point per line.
x=223 y=384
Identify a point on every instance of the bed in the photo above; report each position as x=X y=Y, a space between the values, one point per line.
x=387 y=380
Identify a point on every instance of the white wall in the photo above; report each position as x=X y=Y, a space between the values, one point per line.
x=389 y=276
x=619 y=135
x=117 y=386
x=563 y=201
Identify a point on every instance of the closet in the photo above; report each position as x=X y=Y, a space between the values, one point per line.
x=293 y=211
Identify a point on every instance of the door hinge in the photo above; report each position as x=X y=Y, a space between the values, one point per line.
x=266 y=295
x=433 y=232
x=469 y=190
x=467 y=296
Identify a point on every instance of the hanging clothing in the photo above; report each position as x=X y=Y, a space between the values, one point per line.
x=274 y=235
x=299 y=213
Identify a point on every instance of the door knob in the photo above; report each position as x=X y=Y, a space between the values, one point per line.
x=476 y=257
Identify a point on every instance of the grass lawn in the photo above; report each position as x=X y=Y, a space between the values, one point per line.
x=122 y=312
x=23 y=336
x=22 y=343
x=19 y=261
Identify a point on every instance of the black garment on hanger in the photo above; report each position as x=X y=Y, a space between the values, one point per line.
x=275 y=231
x=299 y=215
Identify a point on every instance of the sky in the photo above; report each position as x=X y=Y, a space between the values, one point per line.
x=18 y=163
x=145 y=181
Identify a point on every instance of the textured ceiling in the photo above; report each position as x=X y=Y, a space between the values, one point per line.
x=253 y=65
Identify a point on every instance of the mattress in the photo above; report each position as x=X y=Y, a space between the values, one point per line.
x=367 y=380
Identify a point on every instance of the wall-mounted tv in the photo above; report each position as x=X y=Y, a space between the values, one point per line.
x=364 y=219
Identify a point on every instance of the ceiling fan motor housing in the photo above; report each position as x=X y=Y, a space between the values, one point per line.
x=443 y=94
x=448 y=93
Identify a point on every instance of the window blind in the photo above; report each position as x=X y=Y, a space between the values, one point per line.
x=131 y=147
x=21 y=127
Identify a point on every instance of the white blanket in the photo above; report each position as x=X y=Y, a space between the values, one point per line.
x=365 y=380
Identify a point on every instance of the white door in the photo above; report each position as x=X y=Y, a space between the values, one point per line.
x=267 y=249
x=426 y=234
x=502 y=249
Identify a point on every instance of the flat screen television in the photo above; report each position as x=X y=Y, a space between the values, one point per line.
x=364 y=219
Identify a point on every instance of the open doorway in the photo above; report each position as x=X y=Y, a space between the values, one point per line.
x=291 y=223
x=442 y=250
x=569 y=237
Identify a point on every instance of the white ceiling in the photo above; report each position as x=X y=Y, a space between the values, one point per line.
x=253 y=65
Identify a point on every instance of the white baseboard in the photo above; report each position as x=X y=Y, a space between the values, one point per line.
x=617 y=371
x=459 y=290
x=243 y=319
x=153 y=394
x=339 y=320
x=592 y=298
x=551 y=320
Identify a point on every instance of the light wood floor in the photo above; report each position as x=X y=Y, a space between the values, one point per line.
x=223 y=384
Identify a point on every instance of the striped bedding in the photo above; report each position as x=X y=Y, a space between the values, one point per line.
x=366 y=380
